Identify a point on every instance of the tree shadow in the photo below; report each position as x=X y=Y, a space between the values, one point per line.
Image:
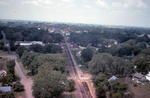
x=29 y=74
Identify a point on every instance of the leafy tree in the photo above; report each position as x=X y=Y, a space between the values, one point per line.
x=10 y=68
x=27 y=59
x=143 y=65
x=20 y=50
x=6 y=94
x=87 y=54
x=57 y=61
x=56 y=49
x=113 y=50
x=115 y=95
x=43 y=70
x=1 y=36
x=126 y=50
x=118 y=86
x=139 y=46
x=71 y=85
x=47 y=48
x=100 y=79
x=32 y=61
x=7 y=79
x=108 y=64
x=100 y=63
x=100 y=92
x=47 y=39
x=11 y=64
x=36 y=48
x=1 y=45
x=12 y=46
x=58 y=38
x=18 y=86
x=18 y=36
x=146 y=51
x=50 y=86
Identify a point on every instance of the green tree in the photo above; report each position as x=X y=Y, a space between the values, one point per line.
x=100 y=79
x=100 y=92
x=71 y=85
x=58 y=38
x=43 y=70
x=10 y=68
x=6 y=95
x=116 y=95
x=56 y=49
x=18 y=87
x=47 y=48
x=87 y=54
x=20 y=50
x=100 y=63
x=107 y=64
x=119 y=87
x=36 y=48
x=49 y=86
x=7 y=79
x=47 y=39
x=143 y=65
x=146 y=51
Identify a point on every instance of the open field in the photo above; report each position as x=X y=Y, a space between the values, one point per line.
x=2 y=53
x=141 y=91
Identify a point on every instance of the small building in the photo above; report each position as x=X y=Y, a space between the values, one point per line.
x=113 y=78
x=5 y=89
x=139 y=78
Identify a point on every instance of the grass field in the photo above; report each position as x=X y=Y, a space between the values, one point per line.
x=141 y=91
x=2 y=53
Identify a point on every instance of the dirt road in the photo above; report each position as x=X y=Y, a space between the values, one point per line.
x=25 y=81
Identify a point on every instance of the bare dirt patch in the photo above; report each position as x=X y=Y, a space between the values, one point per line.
x=19 y=94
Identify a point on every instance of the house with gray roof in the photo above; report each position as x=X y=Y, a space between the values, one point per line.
x=139 y=78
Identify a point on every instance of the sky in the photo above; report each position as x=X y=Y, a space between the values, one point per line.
x=104 y=12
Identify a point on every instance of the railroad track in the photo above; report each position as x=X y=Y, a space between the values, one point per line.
x=81 y=86
x=86 y=88
x=70 y=62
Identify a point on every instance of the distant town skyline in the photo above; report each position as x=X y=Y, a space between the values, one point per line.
x=104 y=12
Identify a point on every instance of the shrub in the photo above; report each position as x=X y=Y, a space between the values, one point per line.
x=18 y=87
x=135 y=85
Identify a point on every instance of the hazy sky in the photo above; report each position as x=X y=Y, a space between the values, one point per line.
x=111 y=12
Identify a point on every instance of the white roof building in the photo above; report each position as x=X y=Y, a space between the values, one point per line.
x=113 y=78
x=148 y=76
